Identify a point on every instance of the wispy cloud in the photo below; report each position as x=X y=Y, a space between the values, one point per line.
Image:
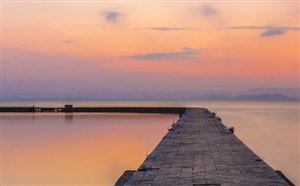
x=68 y=41
x=169 y=28
x=208 y=10
x=272 y=32
x=268 y=30
x=247 y=27
x=185 y=53
x=112 y=16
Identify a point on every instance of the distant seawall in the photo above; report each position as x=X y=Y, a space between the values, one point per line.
x=70 y=108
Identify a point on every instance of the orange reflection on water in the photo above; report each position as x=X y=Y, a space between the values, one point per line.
x=78 y=149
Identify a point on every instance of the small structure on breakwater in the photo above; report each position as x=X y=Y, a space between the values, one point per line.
x=68 y=108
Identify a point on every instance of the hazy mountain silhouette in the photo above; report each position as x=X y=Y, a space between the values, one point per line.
x=107 y=95
x=265 y=97
x=292 y=92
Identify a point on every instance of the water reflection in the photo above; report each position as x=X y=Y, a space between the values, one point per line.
x=69 y=118
x=41 y=148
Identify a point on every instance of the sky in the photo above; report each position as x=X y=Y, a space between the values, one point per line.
x=60 y=48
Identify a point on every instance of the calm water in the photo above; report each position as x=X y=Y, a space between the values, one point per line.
x=95 y=148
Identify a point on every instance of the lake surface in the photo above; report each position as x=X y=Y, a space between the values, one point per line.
x=95 y=148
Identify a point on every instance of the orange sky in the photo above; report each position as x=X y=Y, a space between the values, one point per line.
x=142 y=46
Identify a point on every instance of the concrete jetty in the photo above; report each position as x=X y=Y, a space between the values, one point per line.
x=199 y=150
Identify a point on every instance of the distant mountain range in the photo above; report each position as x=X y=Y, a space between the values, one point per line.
x=159 y=96
x=258 y=97
x=291 y=92
x=251 y=94
x=264 y=97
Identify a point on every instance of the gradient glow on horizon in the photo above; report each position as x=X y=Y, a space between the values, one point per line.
x=60 y=48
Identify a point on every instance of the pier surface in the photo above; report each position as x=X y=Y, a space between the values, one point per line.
x=199 y=150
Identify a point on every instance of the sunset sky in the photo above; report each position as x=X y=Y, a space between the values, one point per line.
x=75 y=47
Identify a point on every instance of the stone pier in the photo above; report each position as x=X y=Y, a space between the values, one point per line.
x=199 y=150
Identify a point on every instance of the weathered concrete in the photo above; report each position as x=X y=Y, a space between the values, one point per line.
x=125 y=177
x=200 y=150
